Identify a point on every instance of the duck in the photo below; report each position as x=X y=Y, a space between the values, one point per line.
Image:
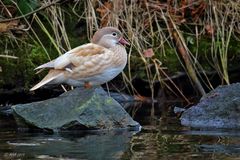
x=90 y=64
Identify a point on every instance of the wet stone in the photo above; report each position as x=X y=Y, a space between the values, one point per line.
x=74 y=110
x=218 y=109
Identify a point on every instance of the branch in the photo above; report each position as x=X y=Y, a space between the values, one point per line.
x=183 y=52
x=30 y=13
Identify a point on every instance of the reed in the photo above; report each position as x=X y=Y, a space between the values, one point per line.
x=150 y=24
x=159 y=32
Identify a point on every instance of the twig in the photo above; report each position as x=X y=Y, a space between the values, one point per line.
x=183 y=52
x=30 y=13
x=8 y=56
x=9 y=14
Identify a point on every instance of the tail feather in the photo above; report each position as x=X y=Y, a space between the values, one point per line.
x=46 y=65
x=52 y=74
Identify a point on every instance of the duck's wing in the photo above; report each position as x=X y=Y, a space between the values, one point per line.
x=76 y=56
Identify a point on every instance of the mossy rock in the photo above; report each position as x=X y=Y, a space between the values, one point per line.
x=76 y=109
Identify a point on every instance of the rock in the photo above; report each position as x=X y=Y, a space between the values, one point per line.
x=122 y=98
x=6 y=110
x=218 y=109
x=76 y=109
x=177 y=110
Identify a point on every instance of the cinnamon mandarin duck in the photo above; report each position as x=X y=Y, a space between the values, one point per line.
x=90 y=64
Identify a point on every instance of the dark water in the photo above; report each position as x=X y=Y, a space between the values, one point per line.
x=161 y=138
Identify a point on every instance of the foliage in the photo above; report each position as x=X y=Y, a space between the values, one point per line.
x=181 y=25
x=26 y=6
x=20 y=6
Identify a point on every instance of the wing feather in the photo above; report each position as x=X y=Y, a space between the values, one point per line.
x=70 y=58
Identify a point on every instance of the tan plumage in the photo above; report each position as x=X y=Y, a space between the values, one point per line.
x=93 y=63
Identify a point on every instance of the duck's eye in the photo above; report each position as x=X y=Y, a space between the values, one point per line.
x=114 y=34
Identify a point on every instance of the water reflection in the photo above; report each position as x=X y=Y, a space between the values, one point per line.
x=91 y=145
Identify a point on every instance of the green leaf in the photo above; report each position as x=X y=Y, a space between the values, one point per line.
x=27 y=6
x=7 y=2
x=190 y=40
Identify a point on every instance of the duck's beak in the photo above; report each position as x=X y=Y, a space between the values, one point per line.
x=123 y=41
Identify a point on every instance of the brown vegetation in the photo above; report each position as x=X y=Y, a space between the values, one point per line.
x=160 y=32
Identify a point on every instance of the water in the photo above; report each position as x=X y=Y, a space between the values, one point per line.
x=161 y=138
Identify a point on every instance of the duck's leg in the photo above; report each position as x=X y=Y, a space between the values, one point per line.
x=87 y=85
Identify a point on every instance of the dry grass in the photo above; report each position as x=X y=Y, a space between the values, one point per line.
x=147 y=25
